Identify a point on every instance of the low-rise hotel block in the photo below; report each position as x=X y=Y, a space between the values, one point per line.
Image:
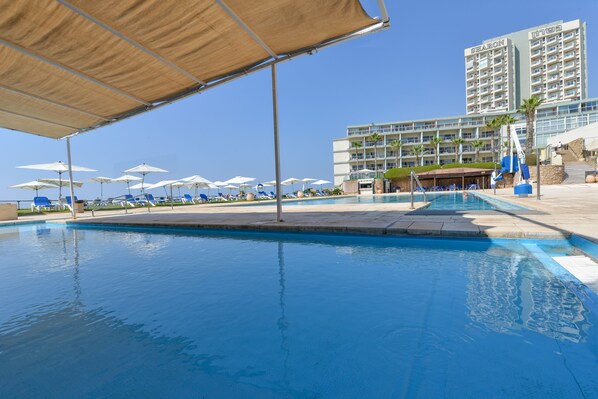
x=552 y=119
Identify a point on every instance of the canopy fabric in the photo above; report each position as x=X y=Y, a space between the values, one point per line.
x=454 y=172
x=145 y=169
x=61 y=182
x=35 y=185
x=74 y=65
x=57 y=167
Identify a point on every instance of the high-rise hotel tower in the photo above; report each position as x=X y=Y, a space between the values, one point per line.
x=548 y=61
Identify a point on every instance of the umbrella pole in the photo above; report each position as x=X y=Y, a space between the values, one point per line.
x=171 y=199
x=60 y=182
x=71 y=187
x=276 y=146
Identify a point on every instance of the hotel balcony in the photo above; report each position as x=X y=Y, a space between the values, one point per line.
x=552 y=50
x=568 y=36
x=536 y=53
x=569 y=46
x=570 y=66
x=537 y=80
x=551 y=40
x=536 y=44
x=552 y=78
x=537 y=72
x=553 y=68
x=570 y=55
x=536 y=89
x=551 y=60
x=553 y=88
x=570 y=93
x=536 y=62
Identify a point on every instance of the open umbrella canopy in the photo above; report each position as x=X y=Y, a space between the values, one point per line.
x=62 y=183
x=141 y=186
x=231 y=187
x=195 y=179
x=162 y=183
x=320 y=182
x=102 y=179
x=308 y=180
x=291 y=180
x=34 y=185
x=126 y=179
x=269 y=183
x=239 y=180
x=365 y=171
x=59 y=167
x=144 y=169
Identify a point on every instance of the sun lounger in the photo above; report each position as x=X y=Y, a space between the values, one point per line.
x=187 y=198
x=204 y=198
x=128 y=199
x=40 y=203
x=69 y=203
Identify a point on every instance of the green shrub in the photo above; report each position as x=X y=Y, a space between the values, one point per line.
x=399 y=173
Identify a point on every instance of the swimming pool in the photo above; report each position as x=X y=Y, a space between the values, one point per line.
x=169 y=313
x=438 y=201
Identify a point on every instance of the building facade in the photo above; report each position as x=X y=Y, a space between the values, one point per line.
x=552 y=119
x=548 y=61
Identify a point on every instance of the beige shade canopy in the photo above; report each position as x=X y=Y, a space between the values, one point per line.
x=73 y=65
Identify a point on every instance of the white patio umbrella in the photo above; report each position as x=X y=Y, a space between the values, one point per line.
x=102 y=180
x=61 y=183
x=196 y=182
x=164 y=184
x=240 y=180
x=145 y=169
x=34 y=185
x=141 y=186
x=58 y=167
x=291 y=181
x=365 y=171
x=209 y=186
x=127 y=179
x=320 y=182
x=231 y=187
x=306 y=181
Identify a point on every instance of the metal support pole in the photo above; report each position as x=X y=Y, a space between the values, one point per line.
x=72 y=189
x=538 y=173
x=411 y=188
x=276 y=147
x=171 y=199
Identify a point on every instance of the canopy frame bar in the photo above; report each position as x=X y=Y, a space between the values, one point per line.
x=246 y=28
x=276 y=146
x=130 y=41
x=38 y=119
x=71 y=186
x=22 y=93
x=382 y=25
x=73 y=72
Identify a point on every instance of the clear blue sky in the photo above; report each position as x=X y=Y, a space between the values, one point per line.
x=414 y=70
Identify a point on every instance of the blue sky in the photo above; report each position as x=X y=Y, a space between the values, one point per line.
x=414 y=70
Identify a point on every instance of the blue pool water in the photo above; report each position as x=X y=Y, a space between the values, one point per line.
x=438 y=201
x=88 y=313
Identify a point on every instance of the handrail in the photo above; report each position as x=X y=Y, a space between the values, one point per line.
x=413 y=177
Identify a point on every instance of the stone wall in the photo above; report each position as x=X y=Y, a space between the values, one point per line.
x=404 y=185
x=549 y=174
x=577 y=147
x=378 y=186
x=8 y=212
x=350 y=187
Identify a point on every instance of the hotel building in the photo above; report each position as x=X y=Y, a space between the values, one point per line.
x=548 y=61
x=552 y=119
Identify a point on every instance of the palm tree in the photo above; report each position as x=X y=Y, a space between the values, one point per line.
x=508 y=120
x=528 y=107
x=375 y=137
x=435 y=143
x=495 y=124
x=477 y=144
x=396 y=145
x=357 y=145
x=418 y=150
x=457 y=141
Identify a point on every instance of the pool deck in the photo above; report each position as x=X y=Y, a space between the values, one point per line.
x=562 y=211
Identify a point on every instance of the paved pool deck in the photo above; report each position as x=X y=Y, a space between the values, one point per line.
x=562 y=210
